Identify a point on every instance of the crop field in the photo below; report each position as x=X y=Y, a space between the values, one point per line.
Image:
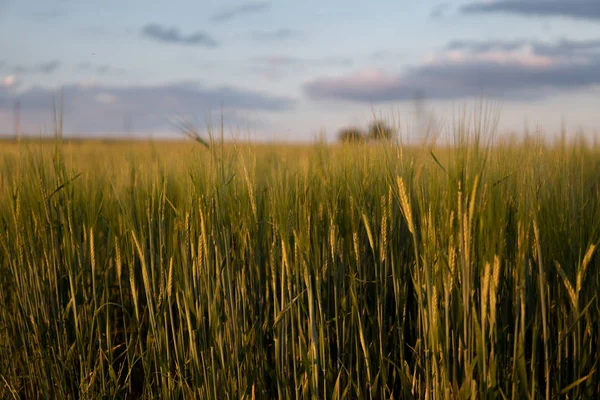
x=330 y=271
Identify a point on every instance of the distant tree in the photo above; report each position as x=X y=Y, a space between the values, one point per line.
x=351 y=135
x=379 y=130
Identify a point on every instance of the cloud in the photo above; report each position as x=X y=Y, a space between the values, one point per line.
x=509 y=70
x=43 y=68
x=561 y=48
x=250 y=7
x=102 y=69
x=282 y=60
x=172 y=35
x=580 y=9
x=96 y=108
x=8 y=81
x=277 y=34
x=49 y=67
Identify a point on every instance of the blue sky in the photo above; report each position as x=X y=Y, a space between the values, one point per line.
x=290 y=70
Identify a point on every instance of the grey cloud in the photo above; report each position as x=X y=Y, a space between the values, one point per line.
x=172 y=35
x=473 y=77
x=458 y=81
x=562 y=48
x=277 y=34
x=250 y=7
x=279 y=61
x=102 y=69
x=483 y=46
x=102 y=108
x=581 y=9
x=568 y=47
x=43 y=68
x=49 y=67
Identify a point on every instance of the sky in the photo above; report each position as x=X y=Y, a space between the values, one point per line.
x=295 y=71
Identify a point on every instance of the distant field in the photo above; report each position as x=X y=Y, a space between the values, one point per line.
x=168 y=269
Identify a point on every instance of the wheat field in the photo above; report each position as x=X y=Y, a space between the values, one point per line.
x=376 y=271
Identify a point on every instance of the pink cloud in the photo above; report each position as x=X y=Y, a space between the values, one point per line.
x=371 y=77
x=523 y=56
x=525 y=70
